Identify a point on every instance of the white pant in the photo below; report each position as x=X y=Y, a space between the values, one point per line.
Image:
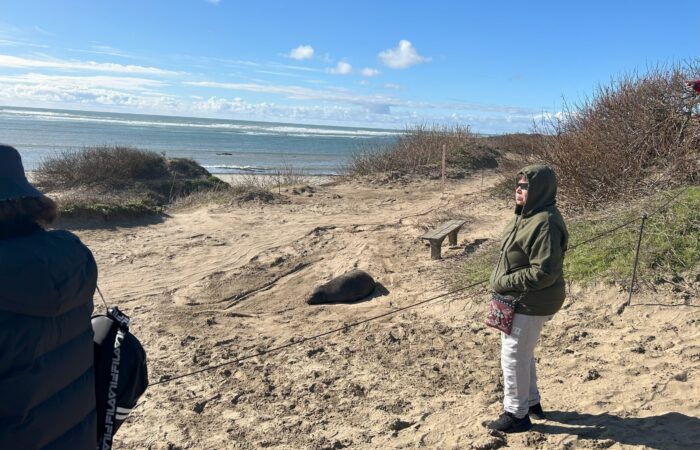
x=518 y=364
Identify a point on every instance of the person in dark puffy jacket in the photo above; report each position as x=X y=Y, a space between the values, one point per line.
x=530 y=267
x=47 y=282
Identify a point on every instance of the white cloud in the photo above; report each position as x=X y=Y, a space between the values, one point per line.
x=302 y=52
x=271 y=111
x=14 y=62
x=281 y=74
x=357 y=116
x=371 y=102
x=11 y=43
x=392 y=86
x=302 y=68
x=374 y=102
x=342 y=68
x=106 y=50
x=369 y=72
x=559 y=116
x=86 y=82
x=129 y=93
x=326 y=106
x=402 y=57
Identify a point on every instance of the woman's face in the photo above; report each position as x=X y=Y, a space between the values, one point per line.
x=521 y=189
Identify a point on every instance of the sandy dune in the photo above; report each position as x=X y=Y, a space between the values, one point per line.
x=209 y=285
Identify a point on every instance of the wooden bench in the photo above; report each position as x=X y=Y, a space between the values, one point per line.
x=436 y=236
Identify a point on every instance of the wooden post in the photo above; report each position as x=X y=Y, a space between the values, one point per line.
x=481 y=188
x=444 y=152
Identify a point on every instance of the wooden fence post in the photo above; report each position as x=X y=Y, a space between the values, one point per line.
x=444 y=153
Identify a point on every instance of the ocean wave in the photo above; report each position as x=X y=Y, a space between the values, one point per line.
x=252 y=169
x=271 y=129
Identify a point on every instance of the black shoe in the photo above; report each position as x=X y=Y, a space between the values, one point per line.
x=508 y=423
x=536 y=412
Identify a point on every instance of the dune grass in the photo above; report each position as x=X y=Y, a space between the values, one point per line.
x=108 y=207
x=670 y=248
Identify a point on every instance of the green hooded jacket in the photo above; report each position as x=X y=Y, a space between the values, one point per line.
x=532 y=252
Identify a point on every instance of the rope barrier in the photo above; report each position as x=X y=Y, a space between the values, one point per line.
x=318 y=336
x=630 y=222
x=346 y=327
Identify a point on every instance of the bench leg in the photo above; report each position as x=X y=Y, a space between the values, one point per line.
x=453 y=238
x=436 y=249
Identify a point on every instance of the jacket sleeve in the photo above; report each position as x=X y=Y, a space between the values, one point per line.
x=546 y=263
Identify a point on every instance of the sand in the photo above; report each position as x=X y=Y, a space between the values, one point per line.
x=210 y=284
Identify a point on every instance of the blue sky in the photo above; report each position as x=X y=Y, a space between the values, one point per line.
x=495 y=66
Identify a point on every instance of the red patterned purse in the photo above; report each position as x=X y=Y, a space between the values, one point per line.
x=501 y=312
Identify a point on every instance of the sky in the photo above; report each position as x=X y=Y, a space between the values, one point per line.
x=495 y=66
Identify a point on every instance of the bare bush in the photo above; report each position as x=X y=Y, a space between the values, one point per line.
x=516 y=151
x=418 y=146
x=259 y=181
x=289 y=175
x=638 y=134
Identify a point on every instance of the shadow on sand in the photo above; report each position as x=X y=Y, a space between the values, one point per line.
x=670 y=431
x=100 y=223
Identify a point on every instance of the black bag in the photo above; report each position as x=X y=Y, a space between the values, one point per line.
x=121 y=375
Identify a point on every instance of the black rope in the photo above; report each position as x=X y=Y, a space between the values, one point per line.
x=630 y=222
x=605 y=233
x=102 y=297
x=389 y=313
x=665 y=305
x=317 y=336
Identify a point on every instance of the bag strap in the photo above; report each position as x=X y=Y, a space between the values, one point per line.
x=122 y=321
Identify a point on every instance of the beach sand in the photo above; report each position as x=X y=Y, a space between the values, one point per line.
x=208 y=285
x=274 y=180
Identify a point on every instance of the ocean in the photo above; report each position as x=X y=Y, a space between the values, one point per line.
x=221 y=146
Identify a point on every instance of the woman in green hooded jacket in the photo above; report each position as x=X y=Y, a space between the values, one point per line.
x=530 y=267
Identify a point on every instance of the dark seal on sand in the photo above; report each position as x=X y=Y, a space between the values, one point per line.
x=347 y=288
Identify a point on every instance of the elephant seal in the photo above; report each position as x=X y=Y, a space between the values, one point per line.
x=346 y=288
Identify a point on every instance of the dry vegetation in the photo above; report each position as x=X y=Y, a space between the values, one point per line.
x=641 y=133
x=420 y=148
x=116 y=182
x=120 y=181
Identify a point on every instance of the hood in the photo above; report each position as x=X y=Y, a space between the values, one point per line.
x=542 y=191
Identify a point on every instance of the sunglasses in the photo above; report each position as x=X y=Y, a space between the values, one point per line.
x=522 y=186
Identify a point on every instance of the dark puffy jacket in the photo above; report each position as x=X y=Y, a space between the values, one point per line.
x=532 y=253
x=47 y=388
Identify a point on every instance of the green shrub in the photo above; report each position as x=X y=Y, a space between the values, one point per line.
x=101 y=167
x=120 y=181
